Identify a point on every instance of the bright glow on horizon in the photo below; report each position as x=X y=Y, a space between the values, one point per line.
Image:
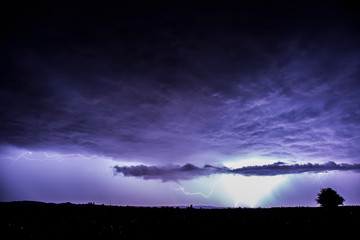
x=249 y=191
x=228 y=190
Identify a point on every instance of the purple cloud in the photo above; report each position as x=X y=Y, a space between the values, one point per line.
x=161 y=89
x=189 y=171
x=163 y=85
x=170 y=173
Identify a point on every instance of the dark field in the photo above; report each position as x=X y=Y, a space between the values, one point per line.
x=34 y=220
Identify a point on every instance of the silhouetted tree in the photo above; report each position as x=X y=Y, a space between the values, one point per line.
x=329 y=198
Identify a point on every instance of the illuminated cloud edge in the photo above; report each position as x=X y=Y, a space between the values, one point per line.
x=190 y=171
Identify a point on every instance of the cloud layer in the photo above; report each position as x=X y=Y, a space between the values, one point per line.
x=189 y=171
x=155 y=87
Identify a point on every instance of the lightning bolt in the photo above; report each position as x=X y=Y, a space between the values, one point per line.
x=68 y=155
x=58 y=157
x=320 y=177
x=236 y=204
x=20 y=156
x=182 y=189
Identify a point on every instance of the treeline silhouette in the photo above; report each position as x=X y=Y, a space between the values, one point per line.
x=35 y=220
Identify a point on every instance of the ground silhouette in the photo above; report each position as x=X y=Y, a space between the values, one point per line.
x=35 y=220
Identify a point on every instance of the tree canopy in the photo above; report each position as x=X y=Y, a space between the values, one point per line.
x=329 y=198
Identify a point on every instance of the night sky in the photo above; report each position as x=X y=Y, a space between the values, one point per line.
x=228 y=104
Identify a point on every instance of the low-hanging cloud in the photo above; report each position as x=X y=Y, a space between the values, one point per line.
x=189 y=171
x=167 y=173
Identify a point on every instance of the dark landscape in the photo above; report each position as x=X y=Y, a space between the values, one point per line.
x=37 y=220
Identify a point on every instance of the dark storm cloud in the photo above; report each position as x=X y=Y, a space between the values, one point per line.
x=281 y=168
x=171 y=173
x=174 y=81
x=189 y=171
